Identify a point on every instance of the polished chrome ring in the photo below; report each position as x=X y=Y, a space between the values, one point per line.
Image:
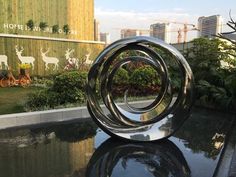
x=117 y=121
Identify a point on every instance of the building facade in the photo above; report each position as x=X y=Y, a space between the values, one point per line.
x=161 y=31
x=96 y=30
x=70 y=19
x=125 y=33
x=47 y=34
x=105 y=37
x=210 y=26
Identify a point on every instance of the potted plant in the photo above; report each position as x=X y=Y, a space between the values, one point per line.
x=43 y=25
x=55 y=29
x=24 y=68
x=30 y=24
x=66 y=29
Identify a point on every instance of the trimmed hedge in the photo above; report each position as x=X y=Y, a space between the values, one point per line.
x=141 y=81
x=121 y=77
x=145 y=77
x=66 y=88
x=69 y=87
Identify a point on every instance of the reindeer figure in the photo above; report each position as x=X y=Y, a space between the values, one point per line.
x=24 y=59
x=71 y=62
x=3 y=59
x=49 y=60
x=87 y=60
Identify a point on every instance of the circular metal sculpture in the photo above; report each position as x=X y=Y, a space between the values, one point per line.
x=165 y=114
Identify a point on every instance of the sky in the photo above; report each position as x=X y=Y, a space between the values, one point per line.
x=116 y=14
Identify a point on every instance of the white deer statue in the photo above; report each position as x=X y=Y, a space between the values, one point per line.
x=72 y=62
x=87 y=60
x=3 y=59
x=49 y=60
x=24 y=59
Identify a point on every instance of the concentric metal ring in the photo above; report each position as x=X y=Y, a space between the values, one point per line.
x=115 y=120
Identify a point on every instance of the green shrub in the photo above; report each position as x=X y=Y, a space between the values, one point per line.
x=70 y=86
x=66 y=88
x=121 y=77
x=42 y=82
x=41 y=100
x=145 y=77
x=69 y=81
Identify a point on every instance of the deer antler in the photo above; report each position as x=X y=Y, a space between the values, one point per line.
x=72 y=50
x=68 y=50
x=89 y=50
x=47 y=51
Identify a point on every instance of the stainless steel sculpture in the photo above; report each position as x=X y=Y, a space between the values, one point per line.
x=117 y=121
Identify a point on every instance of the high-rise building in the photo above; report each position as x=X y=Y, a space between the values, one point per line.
x=210 y=26
x=161 y=31
x=105 y=37
x=96 y=30
x=129 y=33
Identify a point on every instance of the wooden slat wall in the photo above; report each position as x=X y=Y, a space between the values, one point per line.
x=79 y=14
x=57 y=49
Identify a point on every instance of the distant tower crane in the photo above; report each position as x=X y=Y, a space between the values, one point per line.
x=185 y=29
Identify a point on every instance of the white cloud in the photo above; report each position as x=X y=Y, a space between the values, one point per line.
x=110 y=19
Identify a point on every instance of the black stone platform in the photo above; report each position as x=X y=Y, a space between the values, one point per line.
x=80 y=149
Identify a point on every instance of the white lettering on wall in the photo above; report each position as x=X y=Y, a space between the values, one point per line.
x=12 y=26
x=60 y=31
x=5 y=25
x=36 y=28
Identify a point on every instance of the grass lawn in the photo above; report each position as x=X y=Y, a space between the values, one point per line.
x=12 y=99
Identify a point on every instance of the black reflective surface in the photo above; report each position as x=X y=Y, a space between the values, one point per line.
x=114 y=158
x=80 y=149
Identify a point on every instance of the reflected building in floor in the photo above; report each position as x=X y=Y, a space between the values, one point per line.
x=80 y=154
x=43 y=155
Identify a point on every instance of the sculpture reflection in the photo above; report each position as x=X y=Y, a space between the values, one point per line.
x=162 y=159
